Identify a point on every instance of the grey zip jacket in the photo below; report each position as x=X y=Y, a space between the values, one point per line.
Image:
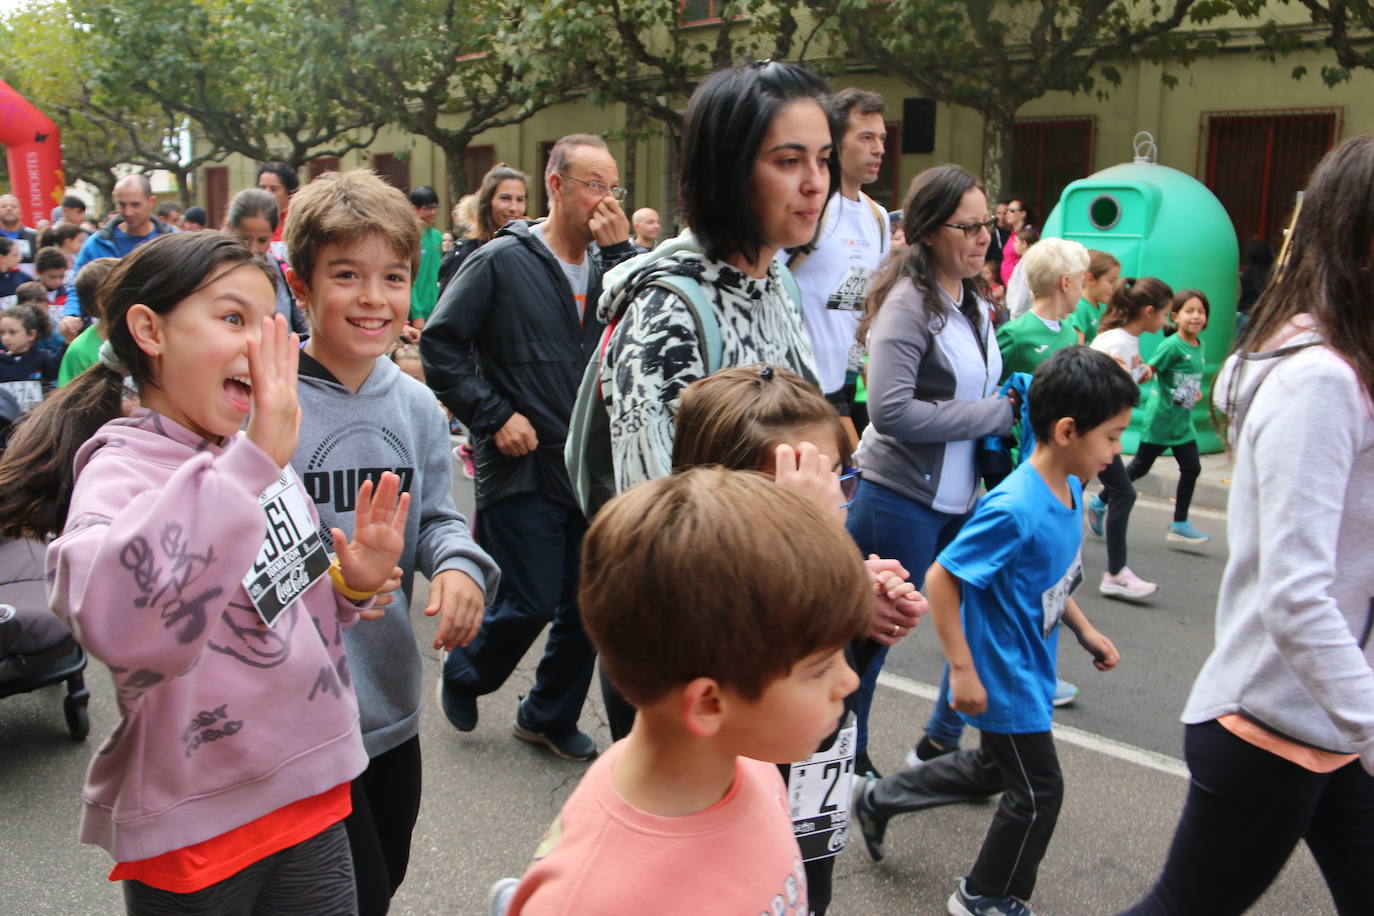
x=1294 y=613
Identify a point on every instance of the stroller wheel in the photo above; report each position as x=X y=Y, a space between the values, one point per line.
x=74 y=709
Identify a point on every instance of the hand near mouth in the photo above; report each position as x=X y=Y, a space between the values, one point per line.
x=275 y=423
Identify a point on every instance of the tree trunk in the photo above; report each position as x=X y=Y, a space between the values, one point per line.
x=456 y=156
x=672 y=162
x=998 y=129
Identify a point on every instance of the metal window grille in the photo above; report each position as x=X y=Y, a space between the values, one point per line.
x=1047 y=154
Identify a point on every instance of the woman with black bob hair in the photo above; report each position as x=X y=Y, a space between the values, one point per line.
x=756 y=171
x=932 y=379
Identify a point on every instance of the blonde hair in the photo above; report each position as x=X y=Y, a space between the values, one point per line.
x=343 y=207
x=1048 y=260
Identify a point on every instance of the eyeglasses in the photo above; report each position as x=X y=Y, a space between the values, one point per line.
x=971 y=229
x=849 y=485
x=597 y=187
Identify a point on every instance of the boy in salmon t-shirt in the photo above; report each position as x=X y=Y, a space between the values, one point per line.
x=721 y=604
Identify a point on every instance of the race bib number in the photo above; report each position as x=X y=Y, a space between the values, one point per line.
x=28 y=392
x=1055 y=599
x=849 y=295
x=818 y=791
x=293 y=556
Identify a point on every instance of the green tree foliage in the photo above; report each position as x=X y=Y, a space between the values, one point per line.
x=1343 y=26
x=240 y=70
x=996 y=55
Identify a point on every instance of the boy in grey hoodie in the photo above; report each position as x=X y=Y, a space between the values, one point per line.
x=353 y=243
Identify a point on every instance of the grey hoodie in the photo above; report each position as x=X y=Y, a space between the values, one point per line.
x=1294 y=613
x=393 y=423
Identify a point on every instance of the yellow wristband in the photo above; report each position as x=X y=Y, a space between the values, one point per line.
x=336 y=576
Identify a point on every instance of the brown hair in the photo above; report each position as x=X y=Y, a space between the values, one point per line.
x=346 y=207
x=31 y=292
x=844 y=104
x=36 y=472
x=737 y=416
x=720 y=574
x=1099 y=263
x=1130 y=297
x=484 y=227
x=49 y=258
x=30 y=318
x=1326 y=273
x=88 y=283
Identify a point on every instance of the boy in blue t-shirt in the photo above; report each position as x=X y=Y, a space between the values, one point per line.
x=997 y=594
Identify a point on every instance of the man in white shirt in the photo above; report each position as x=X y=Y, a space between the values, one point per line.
x=850 y=244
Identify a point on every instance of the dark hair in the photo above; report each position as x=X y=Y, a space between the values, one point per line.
x=1180 y=300
x=1028 y=234
x=1101 y=263
x=485 y=227
x=196 y=215
x=74 y=202
x=931 y=200
x=421 y=195
x=1080 y=383
x=846 y=103
x=32 y=319
x=289 y=179
x=1027 y=210
x=726 y=120
x=55 y=236
x=6 y=244
x=1130 y=297
x=1329 y=259
x=167 y=208
x=33 y=291
x=251 y=202
x=720 y=574
x=736 y=417
x=36 y=472
x=88 y=282
x=49 y=259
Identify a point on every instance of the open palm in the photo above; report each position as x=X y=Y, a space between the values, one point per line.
x=378 y=535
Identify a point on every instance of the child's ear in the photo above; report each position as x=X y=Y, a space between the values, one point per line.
x=1064 y=430
x=299 y=289
x=703 y=707
x=145 y=326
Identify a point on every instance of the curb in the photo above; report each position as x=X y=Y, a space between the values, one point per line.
x=1210 y=493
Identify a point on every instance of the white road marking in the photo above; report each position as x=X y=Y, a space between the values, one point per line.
x=1066 y=733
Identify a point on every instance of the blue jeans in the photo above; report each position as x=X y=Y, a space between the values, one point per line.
x=895 y=527
x=537 y=543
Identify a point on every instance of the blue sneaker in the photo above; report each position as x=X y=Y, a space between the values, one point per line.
x=1097 y=510
x=570 y=745
x=1064 y=692
x=962 y=903
x=1185 y=533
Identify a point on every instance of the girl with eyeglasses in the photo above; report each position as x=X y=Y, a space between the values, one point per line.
x=765 y=418
x=932 y=380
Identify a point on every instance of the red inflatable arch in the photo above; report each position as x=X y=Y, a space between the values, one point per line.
x=35 y=155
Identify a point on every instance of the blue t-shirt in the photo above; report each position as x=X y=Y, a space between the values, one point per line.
x=1019 y=558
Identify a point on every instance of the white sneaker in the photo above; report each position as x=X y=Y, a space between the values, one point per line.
x=1126 y=584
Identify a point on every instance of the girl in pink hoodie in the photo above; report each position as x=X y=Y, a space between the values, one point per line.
x=190 y=563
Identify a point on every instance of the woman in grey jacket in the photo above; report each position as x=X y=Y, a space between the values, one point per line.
x=932 y=376
x=1280 y=723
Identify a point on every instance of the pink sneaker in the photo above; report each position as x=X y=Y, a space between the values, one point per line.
x=1126 y=584
x=464 y=454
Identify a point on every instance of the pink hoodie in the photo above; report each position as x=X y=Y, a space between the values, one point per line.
x=223 y=720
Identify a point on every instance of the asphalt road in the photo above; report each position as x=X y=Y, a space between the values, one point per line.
x=488 y=797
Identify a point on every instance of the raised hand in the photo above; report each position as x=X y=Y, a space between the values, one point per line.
x=275 y=423
x=379 y=526
x=810 y=473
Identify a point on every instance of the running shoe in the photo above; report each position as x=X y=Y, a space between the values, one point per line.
x=1185 y=533
x=464 y=454
x=1064 y=692
x=863 y=764
x=570 y=745
x=926 y=751
x=962 y=903
x=500 y=895
x=1097 y=510
x=872 y=827
x=1126 y=584
x=458 y=706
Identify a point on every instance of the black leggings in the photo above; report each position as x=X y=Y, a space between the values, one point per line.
x=1246 y=810
x=386 y=802
x=1189 y=467
x=1119 y=495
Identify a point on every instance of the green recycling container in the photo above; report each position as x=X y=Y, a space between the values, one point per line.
x=1160 y=222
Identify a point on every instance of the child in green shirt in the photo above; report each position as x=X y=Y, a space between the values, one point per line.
x=1178 y=364
x=1054 y=270
x=1103 y=272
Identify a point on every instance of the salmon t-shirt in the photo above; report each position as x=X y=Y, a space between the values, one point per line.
x=603 y=855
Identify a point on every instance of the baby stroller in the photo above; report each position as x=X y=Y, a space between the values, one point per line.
x=36 y=648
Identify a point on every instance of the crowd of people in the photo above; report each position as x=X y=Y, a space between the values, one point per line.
x=736 y=466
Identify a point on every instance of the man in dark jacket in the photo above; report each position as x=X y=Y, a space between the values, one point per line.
x=504 y=350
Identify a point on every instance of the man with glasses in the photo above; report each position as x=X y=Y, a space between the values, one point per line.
x=850 y=243
x=505 y=350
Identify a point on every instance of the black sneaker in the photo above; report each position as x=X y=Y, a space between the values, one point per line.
x=571 y=745
x=926 y=751
x=872 y=826
x=458 y=705
x=864 y=766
